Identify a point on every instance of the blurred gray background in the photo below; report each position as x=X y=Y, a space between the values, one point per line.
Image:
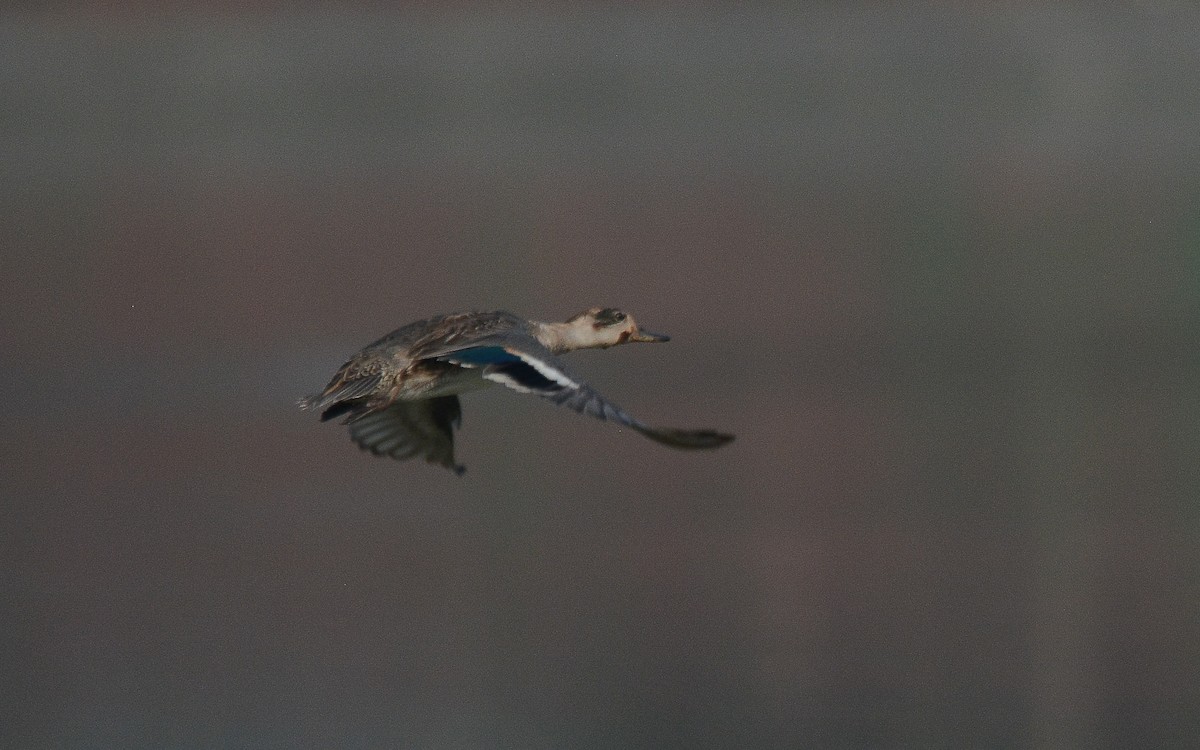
x=937 y=265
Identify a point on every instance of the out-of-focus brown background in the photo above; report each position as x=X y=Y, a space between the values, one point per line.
x=938 y=266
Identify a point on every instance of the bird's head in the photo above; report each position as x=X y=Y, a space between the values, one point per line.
x=602 y=327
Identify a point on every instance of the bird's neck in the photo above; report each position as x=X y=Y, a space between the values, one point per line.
x=561 y=337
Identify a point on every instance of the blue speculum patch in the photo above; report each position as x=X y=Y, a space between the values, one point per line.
x=484 y=355
x=499 y=361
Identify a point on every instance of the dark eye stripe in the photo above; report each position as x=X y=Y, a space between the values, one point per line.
x=609 y=316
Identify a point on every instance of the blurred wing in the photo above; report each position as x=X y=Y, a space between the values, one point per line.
x=412 y=428
x=533 y=369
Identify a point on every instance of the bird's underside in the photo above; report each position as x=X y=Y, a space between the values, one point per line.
x=404 y=407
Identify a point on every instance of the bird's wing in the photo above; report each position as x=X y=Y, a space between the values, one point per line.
x=412 y=428
x=525 y=366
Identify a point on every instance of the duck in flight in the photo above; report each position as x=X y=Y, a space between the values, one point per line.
x=399 y=395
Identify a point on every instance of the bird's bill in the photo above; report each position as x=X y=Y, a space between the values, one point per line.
x=645 y=337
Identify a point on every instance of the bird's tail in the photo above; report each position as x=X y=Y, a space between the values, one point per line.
x=352 y=409
x=353 y=397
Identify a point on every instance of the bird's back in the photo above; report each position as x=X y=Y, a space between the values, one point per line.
x=408 y=342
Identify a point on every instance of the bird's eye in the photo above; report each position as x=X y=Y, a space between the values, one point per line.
x=608 y=317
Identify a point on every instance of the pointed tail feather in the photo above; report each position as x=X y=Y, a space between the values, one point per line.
x=353 y=409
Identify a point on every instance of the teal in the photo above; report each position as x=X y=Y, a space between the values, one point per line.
x=399 y=394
